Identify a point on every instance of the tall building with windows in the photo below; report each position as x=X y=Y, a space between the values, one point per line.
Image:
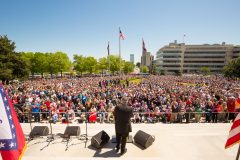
x=132 y=58
x=177 y=57
x=146 y=59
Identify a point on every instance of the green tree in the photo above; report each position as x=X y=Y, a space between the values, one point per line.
x=62 y=62
x=90 y=63
x=19 y=67
x=138 y=64
x=79 y=63
x=144 y=69
x=51 y=64
x=154 y=69
x=115 y=63
x=162 y=72
x=128 y=67
x=205 y=70
x=6 y=49
x=178 y=73
x=232 y=69
x=29 y=58
x=40 y=61
x=102 y=64
x=11 y=63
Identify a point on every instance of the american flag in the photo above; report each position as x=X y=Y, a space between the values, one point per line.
x=143 y=46
x=12 y=141
x=234 y=133
x=121 y=35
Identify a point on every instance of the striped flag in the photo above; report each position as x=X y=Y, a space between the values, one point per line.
x=143 y=46
x=121 y=35
x=12 y=141
x=234 y=133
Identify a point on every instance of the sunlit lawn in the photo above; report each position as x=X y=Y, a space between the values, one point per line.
x=135 y=81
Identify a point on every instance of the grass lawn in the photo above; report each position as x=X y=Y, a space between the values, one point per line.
x=135 y=81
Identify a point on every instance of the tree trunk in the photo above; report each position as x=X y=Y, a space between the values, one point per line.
x=42 y=75
x=61 y=74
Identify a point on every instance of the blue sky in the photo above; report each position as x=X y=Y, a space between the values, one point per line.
x=85 y=26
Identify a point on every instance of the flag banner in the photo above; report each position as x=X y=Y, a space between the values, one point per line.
x=122 y=36
x=143 y=46
x=12 y=141
x=237 y=103
x=234 y=133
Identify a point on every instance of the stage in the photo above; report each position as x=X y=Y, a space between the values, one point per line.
x=173 y=141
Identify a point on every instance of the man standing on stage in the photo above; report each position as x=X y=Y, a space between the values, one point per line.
x=122 y=114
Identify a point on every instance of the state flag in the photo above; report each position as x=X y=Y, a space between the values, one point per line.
x=12 y=141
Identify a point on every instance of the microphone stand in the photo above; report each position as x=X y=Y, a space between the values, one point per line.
x=51 y=137
x=30 y=138
x=85 y=136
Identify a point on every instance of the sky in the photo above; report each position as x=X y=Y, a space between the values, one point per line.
x=85 y=26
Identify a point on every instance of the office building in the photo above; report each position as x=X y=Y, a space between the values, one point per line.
x=177 y=57
x=132 y=58
x=147 y=59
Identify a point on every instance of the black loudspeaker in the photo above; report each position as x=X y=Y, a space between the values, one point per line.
x=38 y=131
x=71 y=131
x=143 y=139
x=100 y=139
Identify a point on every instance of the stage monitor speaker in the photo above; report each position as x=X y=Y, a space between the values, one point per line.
x=38 y=131
x=100 y=139
x=143 y=139
x=71 y=131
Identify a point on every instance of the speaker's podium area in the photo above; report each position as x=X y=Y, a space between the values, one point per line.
x=149 y=141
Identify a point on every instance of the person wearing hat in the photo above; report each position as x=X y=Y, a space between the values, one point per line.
x=122 y=114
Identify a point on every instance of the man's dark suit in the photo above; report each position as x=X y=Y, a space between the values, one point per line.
x=123 y=114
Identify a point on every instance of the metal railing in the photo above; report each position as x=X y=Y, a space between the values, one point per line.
x=138 y=117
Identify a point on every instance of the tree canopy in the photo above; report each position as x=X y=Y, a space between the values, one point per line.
x=18 y=65
x=232 y=69
x=128 y=67
x=205 y=70
x=144 y=69
x=11 y=64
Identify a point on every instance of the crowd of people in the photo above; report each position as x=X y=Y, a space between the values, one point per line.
x=166 y=99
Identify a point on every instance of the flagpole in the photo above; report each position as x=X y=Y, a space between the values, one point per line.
x=141 y=68
x=109 y=58
x=238 y=153
x=119 y=49
x=183 y=38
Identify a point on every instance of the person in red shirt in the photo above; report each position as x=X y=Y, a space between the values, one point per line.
x=231 y=108
x=216 y=108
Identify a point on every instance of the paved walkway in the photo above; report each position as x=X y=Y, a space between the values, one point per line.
x=173 y=141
